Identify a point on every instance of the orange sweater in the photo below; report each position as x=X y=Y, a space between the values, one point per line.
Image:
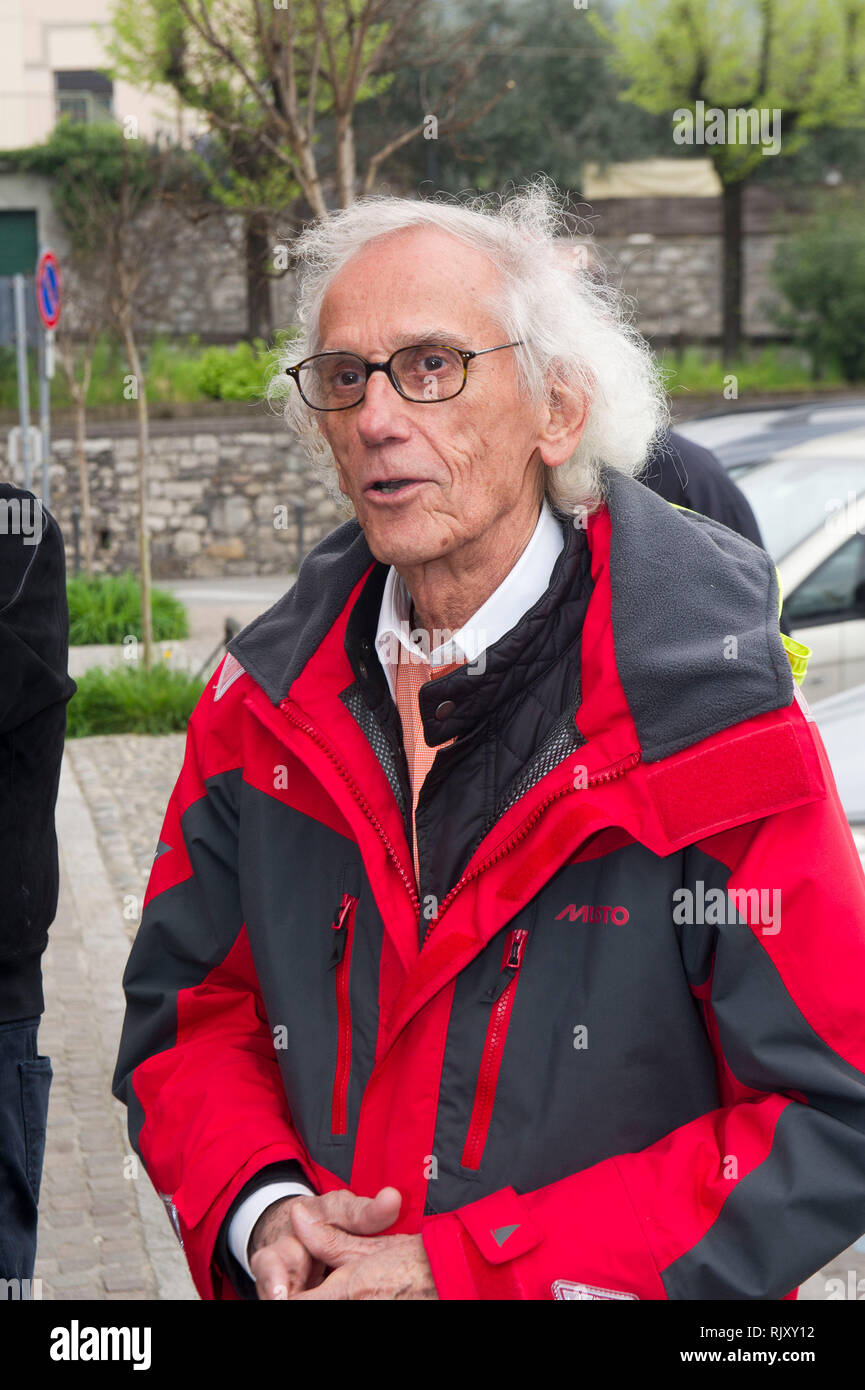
x=410 y=675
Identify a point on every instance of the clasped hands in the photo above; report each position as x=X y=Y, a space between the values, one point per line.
x=331 y=1247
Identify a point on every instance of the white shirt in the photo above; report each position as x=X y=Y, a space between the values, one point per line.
x=518 y=592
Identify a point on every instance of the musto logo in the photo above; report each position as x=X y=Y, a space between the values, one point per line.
x=587 y=913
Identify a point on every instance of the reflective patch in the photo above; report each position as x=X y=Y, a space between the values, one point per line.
x=563 y=1288
x=798 y=655
x=231 y=669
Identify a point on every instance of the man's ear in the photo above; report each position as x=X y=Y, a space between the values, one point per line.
x=564 y=419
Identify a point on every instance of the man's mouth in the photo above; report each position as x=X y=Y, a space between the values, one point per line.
x=394 y=484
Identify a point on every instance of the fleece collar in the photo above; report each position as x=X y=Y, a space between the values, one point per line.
x=694 y=612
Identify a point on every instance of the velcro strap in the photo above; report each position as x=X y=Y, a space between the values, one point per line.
x=741 y=779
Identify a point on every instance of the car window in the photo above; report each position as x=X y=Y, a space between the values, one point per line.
x=834 y=590
x=793 y=498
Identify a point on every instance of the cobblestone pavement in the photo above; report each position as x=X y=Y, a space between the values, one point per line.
x=103 y=1231
x=126 y=780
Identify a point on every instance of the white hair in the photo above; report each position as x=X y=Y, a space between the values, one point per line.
x=574 y=325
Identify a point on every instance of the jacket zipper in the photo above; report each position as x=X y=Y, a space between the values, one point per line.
x=343 y=926
x=494 y=1046
x=287 y=710
x=609 y=775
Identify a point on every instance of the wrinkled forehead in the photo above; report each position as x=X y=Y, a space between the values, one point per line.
x=411 y=282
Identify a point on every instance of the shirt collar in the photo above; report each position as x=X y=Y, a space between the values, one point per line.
x=519 y=590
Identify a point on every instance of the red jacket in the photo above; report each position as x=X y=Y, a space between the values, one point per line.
x=614 y=1043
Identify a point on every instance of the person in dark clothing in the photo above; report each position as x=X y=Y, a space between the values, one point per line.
x=691 y=476
x=688 y=474
x=34 y=689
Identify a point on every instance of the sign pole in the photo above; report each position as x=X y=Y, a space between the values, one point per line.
x=46 y=364
x=23 y=382
x=48 y=304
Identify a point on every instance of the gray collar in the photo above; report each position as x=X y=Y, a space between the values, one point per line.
x=694 y=615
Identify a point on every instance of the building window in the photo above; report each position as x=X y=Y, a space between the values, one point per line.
x=85 y=96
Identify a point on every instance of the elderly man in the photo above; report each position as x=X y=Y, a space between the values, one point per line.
x=505 y=937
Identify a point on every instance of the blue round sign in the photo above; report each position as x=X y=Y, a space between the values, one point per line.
x=48 y=289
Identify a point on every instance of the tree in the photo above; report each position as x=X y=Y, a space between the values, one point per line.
x=563 y=110
x=108 y=193
x=804 y=59
x=153 y=46
x=821 y=273
x=278 y=83
x=84 y=318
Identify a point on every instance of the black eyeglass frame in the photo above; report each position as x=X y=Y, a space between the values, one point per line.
x=386 y=367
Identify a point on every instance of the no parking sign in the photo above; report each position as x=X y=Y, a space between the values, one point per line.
x=48 y=289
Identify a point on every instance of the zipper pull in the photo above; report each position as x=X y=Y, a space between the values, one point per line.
x=515 y=949
x=339 y=925
x=512 y=959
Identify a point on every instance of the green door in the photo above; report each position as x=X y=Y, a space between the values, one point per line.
x=18 y=242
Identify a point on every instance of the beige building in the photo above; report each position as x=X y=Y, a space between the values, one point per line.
x=52 y=60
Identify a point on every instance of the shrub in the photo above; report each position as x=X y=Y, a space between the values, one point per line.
x=130 y=700
x=821 y=273
x=233 y=374
x=172 y=369
x=107 y=608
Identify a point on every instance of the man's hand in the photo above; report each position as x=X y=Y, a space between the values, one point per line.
x=364 y=1266
x=283 y=1265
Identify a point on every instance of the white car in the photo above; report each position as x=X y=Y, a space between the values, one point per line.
x=742 y=438
x=810 y=503
x=841 y=721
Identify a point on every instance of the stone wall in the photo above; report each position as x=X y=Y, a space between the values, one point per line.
x=222 y=500
x=676 y=284
x=664 y=252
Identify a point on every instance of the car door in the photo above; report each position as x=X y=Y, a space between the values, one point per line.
x=827 y=612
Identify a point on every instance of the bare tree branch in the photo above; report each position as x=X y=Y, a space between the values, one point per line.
x=448 y=126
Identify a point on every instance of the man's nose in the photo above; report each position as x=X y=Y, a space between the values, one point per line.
x=382 y=412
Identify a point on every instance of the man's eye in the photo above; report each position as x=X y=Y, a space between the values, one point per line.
x=341 y=378
x=432 y=362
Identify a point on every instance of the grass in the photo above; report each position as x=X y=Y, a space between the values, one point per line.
x=767 y=369
x=178 y=370
x=131 y=700
x=107 y=608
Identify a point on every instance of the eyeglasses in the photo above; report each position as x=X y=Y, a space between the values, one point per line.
x=422 y=373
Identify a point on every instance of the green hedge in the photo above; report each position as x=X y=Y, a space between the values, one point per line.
x=130 y=700
x=107 y=608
